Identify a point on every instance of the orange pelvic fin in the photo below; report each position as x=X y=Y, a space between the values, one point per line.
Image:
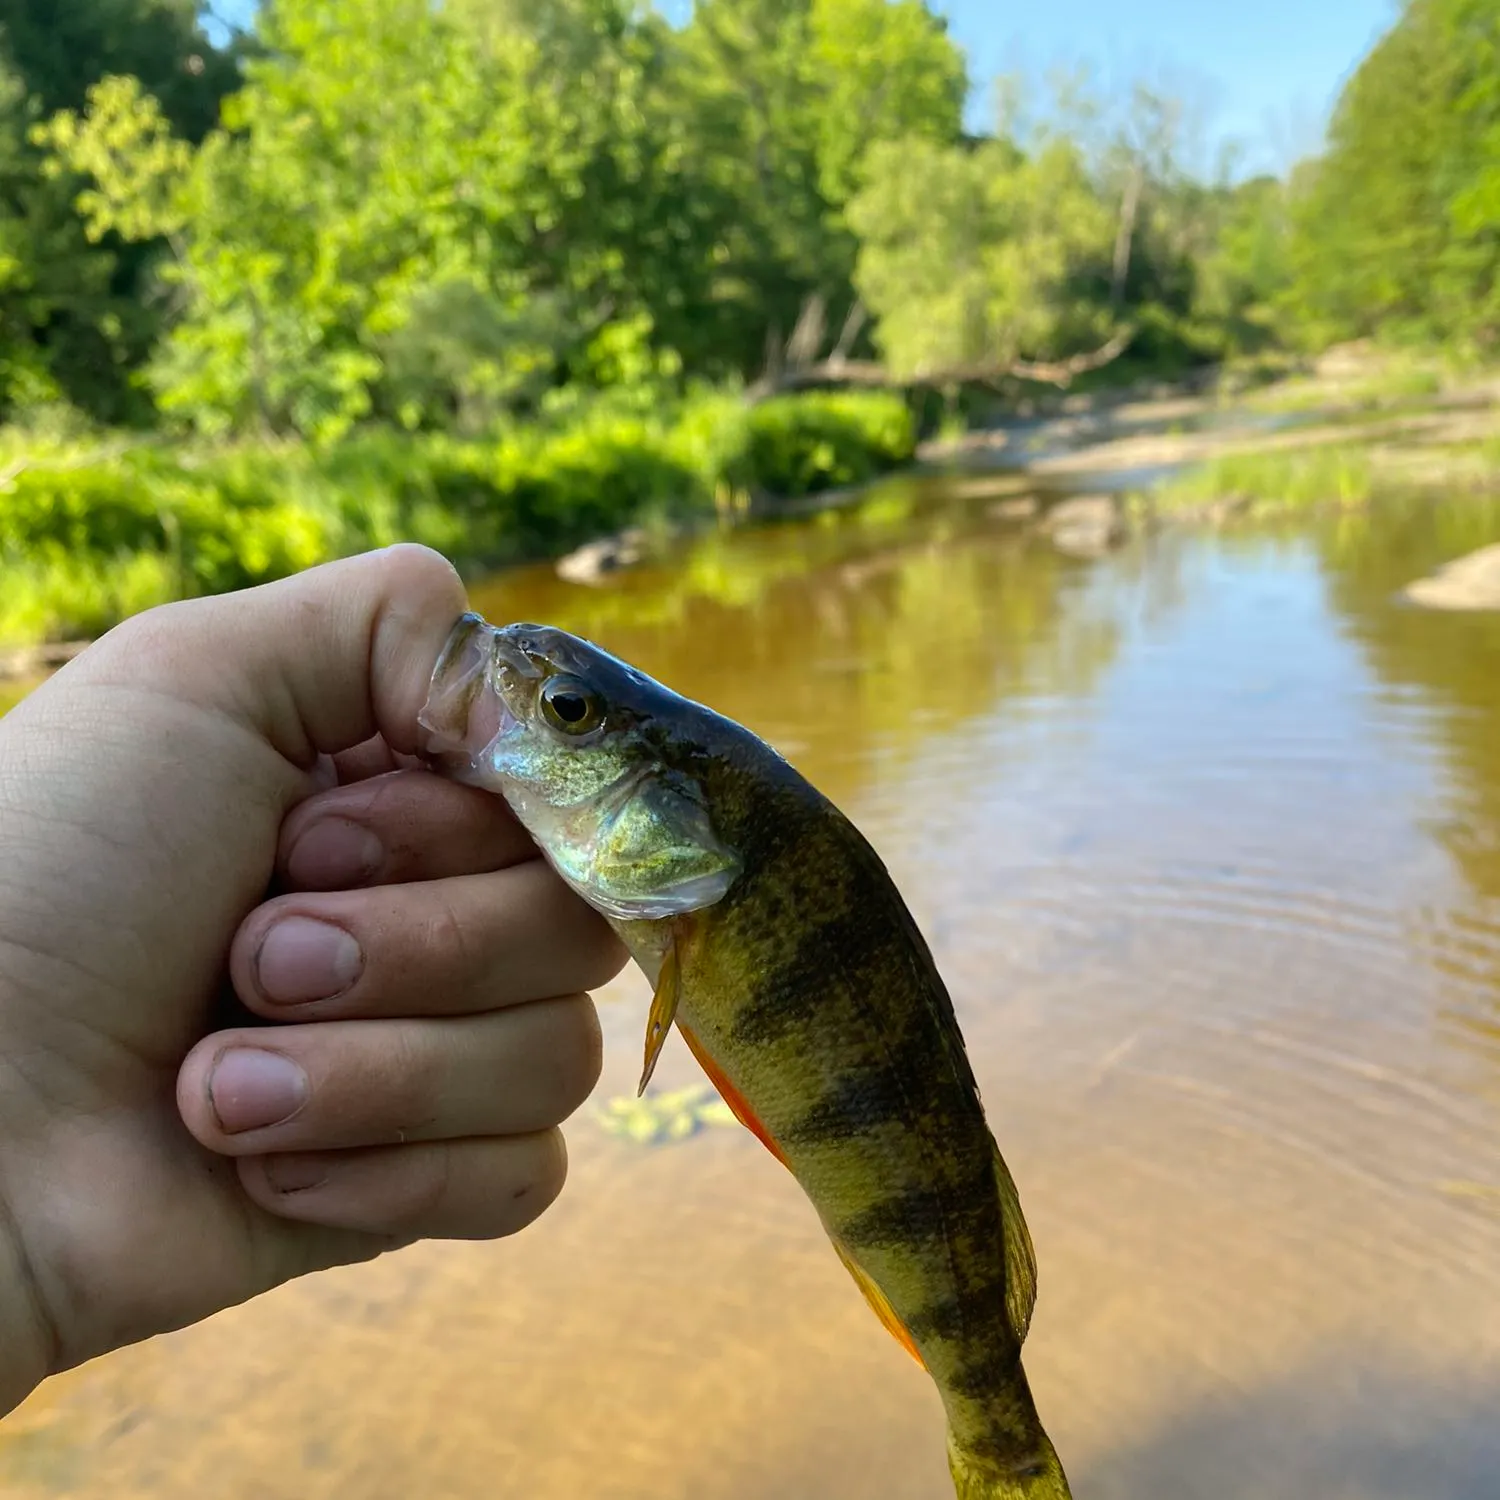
x=730 y=1095
x=879 y=1304
x=663 y=1009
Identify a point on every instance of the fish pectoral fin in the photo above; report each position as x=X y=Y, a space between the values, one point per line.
x=880 y=1304
x=738 y=1105
x=663 y=1009
x=1020 y=1255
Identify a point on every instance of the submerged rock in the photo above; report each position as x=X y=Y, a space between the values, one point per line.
x=1020 y=508
x=596 y=560
x=1086 y=526
x=1470 y=582
x=662 y=1117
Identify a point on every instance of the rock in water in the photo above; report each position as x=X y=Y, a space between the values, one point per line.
x=1471 y=582
x=594 y=561
x=1085 y=526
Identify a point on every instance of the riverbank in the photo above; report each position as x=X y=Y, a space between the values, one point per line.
x=91 y=533
x=87 y=538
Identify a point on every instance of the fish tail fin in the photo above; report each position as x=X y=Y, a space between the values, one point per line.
x=1037 y=1476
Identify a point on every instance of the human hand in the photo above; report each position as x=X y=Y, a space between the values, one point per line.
x=416 y=1021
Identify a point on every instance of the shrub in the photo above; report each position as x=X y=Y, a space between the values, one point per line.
x=801 y=445
x=87 y=537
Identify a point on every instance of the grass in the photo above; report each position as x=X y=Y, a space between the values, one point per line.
x=1280 y=482
x=92 y=533
x=1393 y=383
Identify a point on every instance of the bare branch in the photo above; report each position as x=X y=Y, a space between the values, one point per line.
x=1063 y=372
x=1059 y=372
x=807 y=337
x=851 y=331
x=1130 y=207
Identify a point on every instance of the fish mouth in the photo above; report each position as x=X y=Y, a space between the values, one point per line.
x=470 y=695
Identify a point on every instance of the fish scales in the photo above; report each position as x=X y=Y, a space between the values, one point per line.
x=807 y=991
x=821 y=1005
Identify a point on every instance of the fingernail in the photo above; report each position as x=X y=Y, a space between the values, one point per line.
x=295 y=1174
x=334 y=854
x=301 y=959
x=250 y=1089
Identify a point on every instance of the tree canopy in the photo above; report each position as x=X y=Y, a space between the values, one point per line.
x=440 y=216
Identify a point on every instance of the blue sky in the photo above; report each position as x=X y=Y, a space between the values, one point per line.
x=1264 y=72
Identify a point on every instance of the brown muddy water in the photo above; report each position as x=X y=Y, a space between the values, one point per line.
x=1206 y=837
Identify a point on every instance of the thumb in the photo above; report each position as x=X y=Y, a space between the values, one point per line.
x=316 y=663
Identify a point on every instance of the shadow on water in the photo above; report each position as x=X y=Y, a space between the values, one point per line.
x=1355 y=1430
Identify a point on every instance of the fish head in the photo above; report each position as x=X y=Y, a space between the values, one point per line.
x=594 y=758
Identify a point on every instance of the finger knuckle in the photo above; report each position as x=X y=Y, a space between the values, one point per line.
x=580 y=1058
x=448 y=939
x=428 y=1187
x=415 y=1075
x=604 y=956
x=548 y=1171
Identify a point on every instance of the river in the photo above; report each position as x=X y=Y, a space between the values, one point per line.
x=1206 y=838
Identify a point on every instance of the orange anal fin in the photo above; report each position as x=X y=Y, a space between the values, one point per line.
x=879 y=1304
x=731 y=1095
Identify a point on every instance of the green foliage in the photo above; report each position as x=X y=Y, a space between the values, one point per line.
x=1246 y=268
x=66 y=334
x=1394 y=228
x=882 y=71
x=78 y=314
x=63 y=47
x=977 y=255
x=125 y=146
x=89 y=536
x=513 y=236
x=800 y=445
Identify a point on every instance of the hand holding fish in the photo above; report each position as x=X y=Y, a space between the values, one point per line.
x=206 y=1089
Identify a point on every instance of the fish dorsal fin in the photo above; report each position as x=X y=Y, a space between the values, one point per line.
x=879 y=1304
x=1020 y=1256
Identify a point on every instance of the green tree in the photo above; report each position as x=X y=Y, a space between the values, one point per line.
x=70 y=328
x=783 y=100
x=973 y=257
x=1397 y=226
x=387 y=166
x=79 y=315
x=62 y=47
x=1245 y=271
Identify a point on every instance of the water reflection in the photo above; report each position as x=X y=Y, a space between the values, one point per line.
x=1441 y=674
x=1204 y=837
x=852 y=640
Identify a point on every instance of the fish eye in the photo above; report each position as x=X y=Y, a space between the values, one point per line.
x=570 y=705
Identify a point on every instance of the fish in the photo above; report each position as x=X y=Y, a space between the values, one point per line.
x=779 y=947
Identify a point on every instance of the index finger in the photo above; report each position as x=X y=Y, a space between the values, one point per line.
x=402 y=826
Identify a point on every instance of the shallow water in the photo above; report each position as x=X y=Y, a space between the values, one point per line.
x=1206 y=837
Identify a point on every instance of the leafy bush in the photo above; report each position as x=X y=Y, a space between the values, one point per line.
x=801 y=445
x=90 y=536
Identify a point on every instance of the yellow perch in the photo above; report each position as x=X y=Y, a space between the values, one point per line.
x=783 y=952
